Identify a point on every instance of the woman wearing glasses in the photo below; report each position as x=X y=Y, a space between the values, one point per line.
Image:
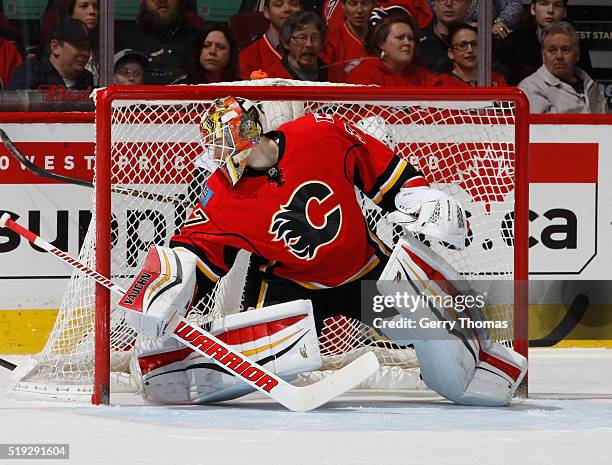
x=392 y=45
x=345 y=45
x=463 y=51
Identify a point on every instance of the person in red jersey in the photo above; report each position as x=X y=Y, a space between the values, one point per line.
x=288 y=197
x=345 y=45
x=463 y=52
x=392 y=45
x=266 y=52
x=291 y=205
x=419 y=10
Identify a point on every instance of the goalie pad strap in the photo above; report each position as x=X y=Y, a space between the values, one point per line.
x=512 y=371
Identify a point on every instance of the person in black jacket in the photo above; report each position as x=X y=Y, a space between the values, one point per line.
x=432 y=52
x=64 y=66
x=161 y=34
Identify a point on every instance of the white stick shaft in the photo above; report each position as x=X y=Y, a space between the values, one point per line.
x=6 y=222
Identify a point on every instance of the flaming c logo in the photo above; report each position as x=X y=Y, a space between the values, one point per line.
x=308 y=221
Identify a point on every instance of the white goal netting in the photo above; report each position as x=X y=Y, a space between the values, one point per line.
x=464 y=147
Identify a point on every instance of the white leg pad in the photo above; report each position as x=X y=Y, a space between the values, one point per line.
x=450 y=369
x=280 y=337
x=462 y=365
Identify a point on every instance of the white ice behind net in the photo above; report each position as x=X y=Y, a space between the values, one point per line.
x=465 y=148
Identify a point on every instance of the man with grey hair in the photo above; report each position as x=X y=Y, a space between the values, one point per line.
x=558 y=86
x=302 y=37
x=519 y=55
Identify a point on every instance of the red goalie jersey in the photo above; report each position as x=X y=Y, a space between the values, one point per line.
x=301 y=217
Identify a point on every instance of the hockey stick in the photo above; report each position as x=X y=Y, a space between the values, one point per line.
x=6 y=364
x=574 y=314
x=14 y=151
x=298 y=399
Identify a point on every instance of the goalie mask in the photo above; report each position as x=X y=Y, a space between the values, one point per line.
x=230 y=129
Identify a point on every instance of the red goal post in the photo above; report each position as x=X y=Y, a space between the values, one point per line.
x=470 y=142
x=330 y=94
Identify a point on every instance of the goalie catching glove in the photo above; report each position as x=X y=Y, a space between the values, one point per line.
x=421 y=209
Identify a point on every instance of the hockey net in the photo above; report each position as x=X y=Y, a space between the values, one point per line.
x=467 y=144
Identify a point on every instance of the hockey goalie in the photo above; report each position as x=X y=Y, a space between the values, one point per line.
x=288 y=197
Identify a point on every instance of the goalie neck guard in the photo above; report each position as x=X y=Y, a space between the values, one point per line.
x=230 y=129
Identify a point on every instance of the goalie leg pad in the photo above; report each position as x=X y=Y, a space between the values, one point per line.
x=280 y=337
x=164 y=287
x=409 y=252
x=462 y=365
x=427 y=282
x=486 y=379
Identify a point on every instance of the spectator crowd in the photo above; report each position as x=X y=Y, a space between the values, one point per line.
x=379 y=42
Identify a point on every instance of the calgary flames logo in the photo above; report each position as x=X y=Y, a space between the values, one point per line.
x=308 y=221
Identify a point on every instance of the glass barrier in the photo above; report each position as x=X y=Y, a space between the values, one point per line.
x=26 y=25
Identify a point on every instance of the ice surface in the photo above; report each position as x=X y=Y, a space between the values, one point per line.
x=566 y=420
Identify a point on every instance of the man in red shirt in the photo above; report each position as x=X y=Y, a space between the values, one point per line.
x=10 y=59
x=288 y=197
x=419 y=10
x=302 y=38
x=344 y=46
x=266 y=52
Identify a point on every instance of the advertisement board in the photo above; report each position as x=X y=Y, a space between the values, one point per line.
x=570 y=206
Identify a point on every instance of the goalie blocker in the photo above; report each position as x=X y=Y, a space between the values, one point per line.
x=459 y=363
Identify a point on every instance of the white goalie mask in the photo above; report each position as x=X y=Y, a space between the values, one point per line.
x=230 y=129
